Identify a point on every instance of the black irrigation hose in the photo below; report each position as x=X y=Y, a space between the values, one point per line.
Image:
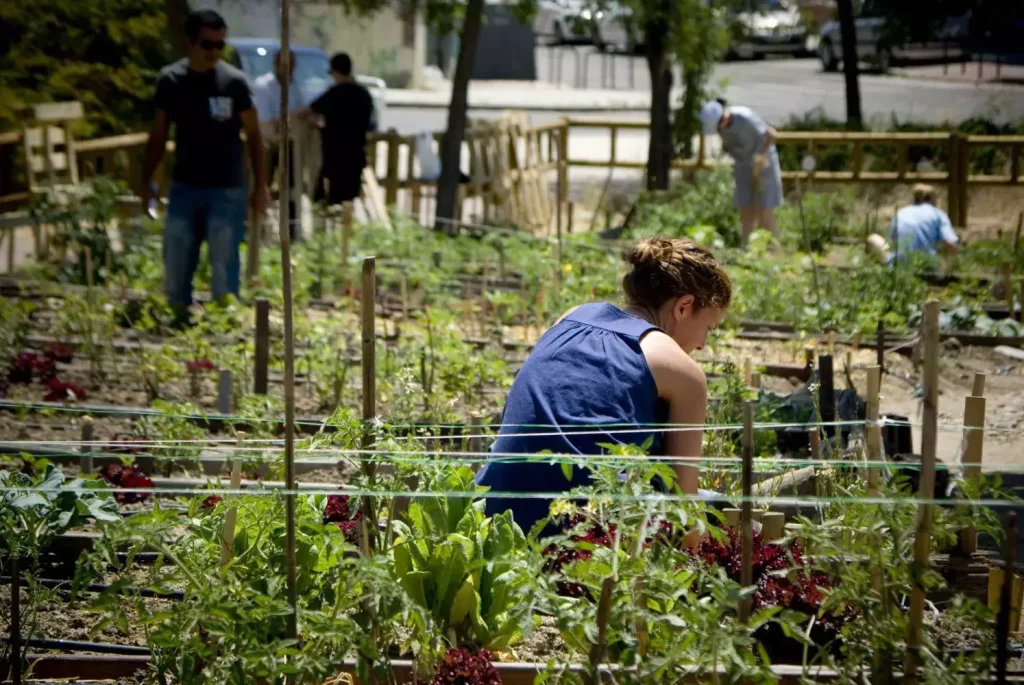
x=77 y=646
x=65 y=585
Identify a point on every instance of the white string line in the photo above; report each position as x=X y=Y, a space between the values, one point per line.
x=232 y=443
x=439 y=457
x=562 y=495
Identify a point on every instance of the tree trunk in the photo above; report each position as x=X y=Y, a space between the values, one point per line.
x=177 y=11
x=848 y=29
x=660 y=150
x=451 y=142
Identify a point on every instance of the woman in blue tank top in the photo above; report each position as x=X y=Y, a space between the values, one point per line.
x=605 y=375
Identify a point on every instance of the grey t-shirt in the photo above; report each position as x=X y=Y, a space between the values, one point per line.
x=205 y=108
x=744 y=137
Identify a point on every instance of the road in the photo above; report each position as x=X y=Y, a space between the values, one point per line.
x=777 y=89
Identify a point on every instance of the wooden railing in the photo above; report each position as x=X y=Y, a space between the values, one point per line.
x=957 y=148
x=510 y=165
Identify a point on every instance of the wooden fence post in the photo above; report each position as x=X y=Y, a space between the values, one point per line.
x=262 y=352
x=347 y=217
x=747 y=369
x=974 y=439
x=746 y=509
x=922 y=540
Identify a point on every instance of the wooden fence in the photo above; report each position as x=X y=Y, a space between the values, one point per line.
x=510 y=164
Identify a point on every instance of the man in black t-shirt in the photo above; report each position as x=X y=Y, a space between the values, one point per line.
x=209 y=103
x=346 y=112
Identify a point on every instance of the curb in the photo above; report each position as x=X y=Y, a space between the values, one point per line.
x=537 y=106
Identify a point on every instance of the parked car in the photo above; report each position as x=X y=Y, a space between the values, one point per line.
x=876 y=46
x=767 y=27
x=255 y=56
x=564 y=22
x=771 y=27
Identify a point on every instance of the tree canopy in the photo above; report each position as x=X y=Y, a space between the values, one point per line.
x=103 y=53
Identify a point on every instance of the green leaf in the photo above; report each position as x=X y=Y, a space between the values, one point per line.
x=567 y=470
x=466 y=599
x=413 y=584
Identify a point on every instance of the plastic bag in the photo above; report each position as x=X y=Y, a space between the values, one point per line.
x=430 y=163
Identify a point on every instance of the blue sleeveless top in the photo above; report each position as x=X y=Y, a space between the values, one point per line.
x=587 y=371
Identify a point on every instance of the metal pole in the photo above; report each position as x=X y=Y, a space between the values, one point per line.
x=289 y=339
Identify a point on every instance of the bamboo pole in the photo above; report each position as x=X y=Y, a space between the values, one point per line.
x=746 y=510
x=1003 y=627
x=873 y=432
x=289 y=337
x=922 y=541
x=974 y=438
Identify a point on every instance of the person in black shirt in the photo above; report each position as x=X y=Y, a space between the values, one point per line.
x=210 y=103
x=346 y=115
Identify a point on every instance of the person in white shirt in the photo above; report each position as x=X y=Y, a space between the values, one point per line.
x=267 y=96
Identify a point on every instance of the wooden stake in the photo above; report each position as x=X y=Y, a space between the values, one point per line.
x=978 y=389
x=289 y=337
x=974 y=439
x=224 y=383
x=747 y=368
x=814 y=438
x=827 y=393
x=832 y=343
x=16 y=612
x=880 y=346
x=1003 y=623
x=809 y=355
x=85 y=461
x=922 y=541
x=346 y=238
x=732 y=517
x=227 y=535
x=873 y=432
x=773 y=526
x=262 y=355
x=746 y=509
x=1016 y=234
x=571 y=218
x=855 y=341
x=369 y=353
x=755 y=380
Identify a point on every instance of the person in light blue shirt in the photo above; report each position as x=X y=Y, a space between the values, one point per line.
x=922 y=227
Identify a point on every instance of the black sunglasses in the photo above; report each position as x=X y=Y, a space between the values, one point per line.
x=212 y=44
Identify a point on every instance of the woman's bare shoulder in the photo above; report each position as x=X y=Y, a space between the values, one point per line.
x=674 y=371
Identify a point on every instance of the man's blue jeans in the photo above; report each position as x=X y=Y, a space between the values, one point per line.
x=216 y=215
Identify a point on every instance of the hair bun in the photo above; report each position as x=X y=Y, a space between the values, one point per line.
x=649 y=252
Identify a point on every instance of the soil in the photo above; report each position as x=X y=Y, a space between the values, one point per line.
x=544 y=643
x=60 y=618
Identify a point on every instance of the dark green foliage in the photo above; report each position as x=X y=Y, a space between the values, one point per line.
x=103 y=53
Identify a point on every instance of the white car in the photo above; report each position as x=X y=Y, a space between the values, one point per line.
x=948 y=42
x=562 y=22
x=775 y=27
